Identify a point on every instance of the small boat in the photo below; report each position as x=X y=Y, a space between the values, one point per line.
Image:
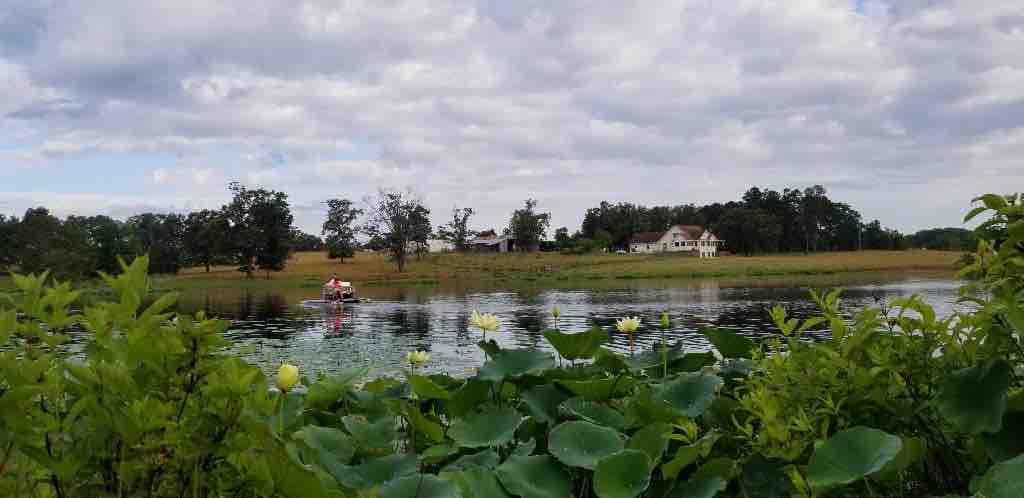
x=343 y=294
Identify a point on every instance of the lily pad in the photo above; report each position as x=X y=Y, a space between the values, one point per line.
x=469 y=397
x=579 y=346
x=974 y=399
x=583 y=444
x=851 y=455
x=595 y=412
x=512 y=363
x=425 y=388
x=729 y=343
x=1004 y=480
x=600 y=389
x=652 y=440
x=765 y=478
x=543 y=401
x=419 y=486
x=375 y=472
x=691 y=393
x=479 y=483
x=705 y=487
x=492 y=427
x=534 y=477
x=330 y=444
x=486 y=459
x=625 y=474
x=371 y=437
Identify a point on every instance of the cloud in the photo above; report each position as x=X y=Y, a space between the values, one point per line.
x=486 y=103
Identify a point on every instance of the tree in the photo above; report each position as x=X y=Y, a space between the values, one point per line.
x=456 y=231
x=421 y=230
x=161 y=236
x=813 y=214
x=338 y=231
x=8 y=241
x=562 y=239
x=527 y=226
x=749 y=231
x=205 y=238
x=260 y=226
x=306 y=242
x=396 y=219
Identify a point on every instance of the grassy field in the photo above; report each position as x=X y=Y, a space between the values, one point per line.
x=309 y=270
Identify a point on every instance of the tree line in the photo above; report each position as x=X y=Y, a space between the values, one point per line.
x=761 y=221
x=255 y=231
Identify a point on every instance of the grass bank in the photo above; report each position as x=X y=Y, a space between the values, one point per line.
x=309 y=270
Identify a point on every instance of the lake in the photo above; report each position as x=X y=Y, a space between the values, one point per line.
x=271 y=327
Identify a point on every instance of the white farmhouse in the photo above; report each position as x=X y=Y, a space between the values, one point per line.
x=678 y=238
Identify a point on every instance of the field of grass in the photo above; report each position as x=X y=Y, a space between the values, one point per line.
x=309 y=270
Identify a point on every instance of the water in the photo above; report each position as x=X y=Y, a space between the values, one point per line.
x=271 y=327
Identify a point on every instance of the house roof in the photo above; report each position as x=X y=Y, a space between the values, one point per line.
x=646 y=237
x=692 y=231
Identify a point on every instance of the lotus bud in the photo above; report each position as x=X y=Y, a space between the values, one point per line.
x=417 y=358
x=555 y=312
x=628 y=325
x=287 y=377
x=664 y=320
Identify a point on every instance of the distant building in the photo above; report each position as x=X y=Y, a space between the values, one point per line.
x=489 y=241
x=438 y=245
x=678 y=238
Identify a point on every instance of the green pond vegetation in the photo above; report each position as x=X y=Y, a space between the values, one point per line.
x=892 y=401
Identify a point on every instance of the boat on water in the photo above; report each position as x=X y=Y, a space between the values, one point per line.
x=334 y=294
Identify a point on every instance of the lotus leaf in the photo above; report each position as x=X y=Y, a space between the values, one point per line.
x=492 y=427
x=543 y=401
x=478 y=483
x=419 y=486
x=1009 y=441
x=625 y=474
x=851 y=455
x=595 y=412
x=579 y=346
x=729 y=343
x=534 y=477
x=705 y=487
x=514 y=363
x=1004 y=480
x=690 y=393
x=974 y=399
x=583 y=444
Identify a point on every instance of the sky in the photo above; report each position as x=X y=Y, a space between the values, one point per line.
x=905 y=109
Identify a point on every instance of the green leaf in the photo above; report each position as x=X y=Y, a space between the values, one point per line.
x=625 y=474
x=583 y=444
x=992 y=201
x=974 y=399
x=534 y=477
x=974 y=212
x=595 y=412
x=652 y=440
x=374 y=472
x=912 y=450
x=421 y=424
x=514 y=363
x=765 y=478
x=426 y=388
x=690 y=393
x=851 y=455
x=373 y=438
x=724 y=468
x=706 y=487
x=331 y=444
x=580 y=346
x=542 y=402
x=486 y=459
x=525 y=449
x=469 y=397
x=419 y=486
x=1009 y=441
x=492 y=427
x=598 y=390
x=1003 y=480
x=729 y=343
x=479 y=483
x=692 y=362
x=438 y=453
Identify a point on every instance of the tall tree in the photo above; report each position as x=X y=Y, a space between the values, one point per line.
x=205 y=238
x=260 y=224
x=527 y=226
x=160 y=236
x=8 y=241
x=339 y=231
x=395 y=219
x=457 y=231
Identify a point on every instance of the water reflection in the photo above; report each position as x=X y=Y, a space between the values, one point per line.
x=271 y=327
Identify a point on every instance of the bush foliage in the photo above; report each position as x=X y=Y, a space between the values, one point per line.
x=894 y=402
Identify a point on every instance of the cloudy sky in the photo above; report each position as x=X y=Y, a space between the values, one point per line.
x=904 y=108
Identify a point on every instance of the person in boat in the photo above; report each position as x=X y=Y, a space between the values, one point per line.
x=339 y=290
